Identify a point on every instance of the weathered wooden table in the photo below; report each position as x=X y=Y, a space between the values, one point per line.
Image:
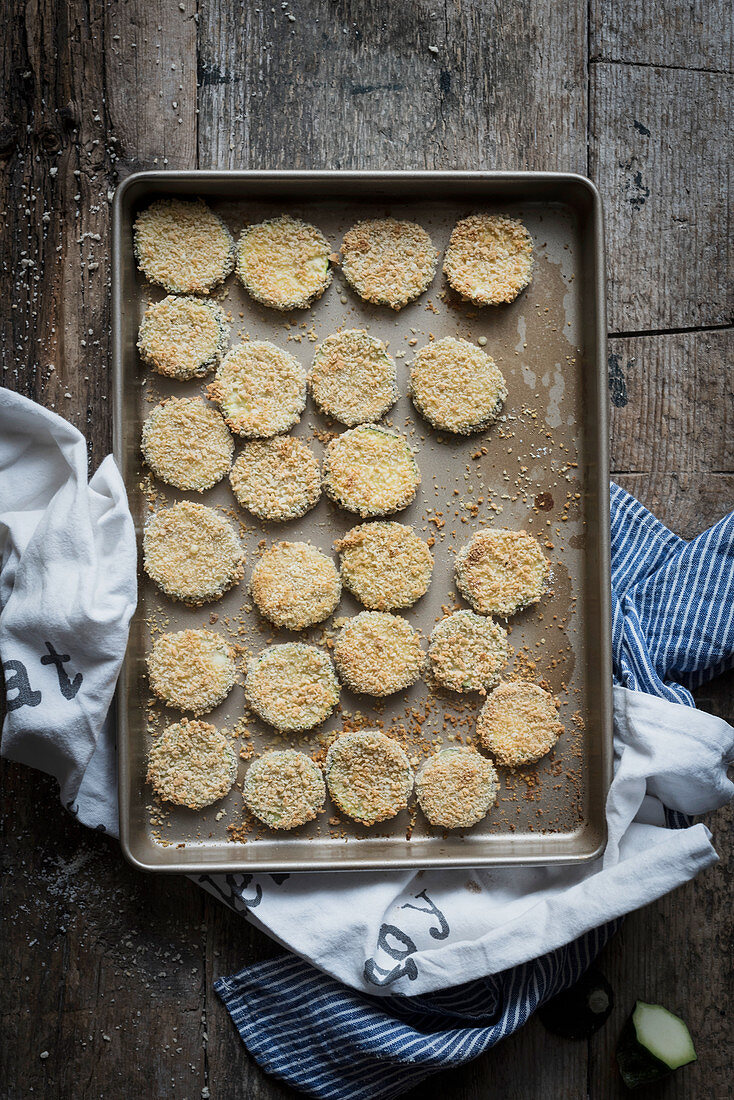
x=110 y=971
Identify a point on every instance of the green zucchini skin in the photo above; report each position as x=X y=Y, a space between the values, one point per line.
x=637 y=1064
x=579 y=1012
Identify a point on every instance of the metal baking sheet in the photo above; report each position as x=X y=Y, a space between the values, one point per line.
x=543 y=466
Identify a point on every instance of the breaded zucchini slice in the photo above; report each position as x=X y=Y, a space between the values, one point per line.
x=284 y=263
x=456 y=386
x=276 y=479
x=260 y=389
x=183 y=246
x=191 y=670
x=191 y=764
x=294 y=585
x=284 y=789
x=370 y=470
x=499 y=572
x=388 y=262
x=183 y=338
x=489 y=259
x=456 y=788
x=192 y=553
x=519 y=723
x=292 y=687
x=378 y=654
x=353 y=378
x=187 y=444
x=385 y=565
x=468 y=652
x=368 y=776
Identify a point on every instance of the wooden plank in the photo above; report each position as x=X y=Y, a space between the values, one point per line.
x=687 y=503
x=672 y=403
x=356 y=86
x=55 y=209
x=103 y=967
x=690 y=34
x=150 y=77
x=663 y=174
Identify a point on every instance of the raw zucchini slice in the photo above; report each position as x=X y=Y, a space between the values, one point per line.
x=653 y=1043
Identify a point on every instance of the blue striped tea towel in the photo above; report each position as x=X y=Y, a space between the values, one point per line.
x=673 y=628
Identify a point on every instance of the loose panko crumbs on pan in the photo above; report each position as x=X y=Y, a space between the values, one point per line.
x=194 y=556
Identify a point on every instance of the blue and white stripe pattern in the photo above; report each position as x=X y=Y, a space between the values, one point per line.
x=673 y=628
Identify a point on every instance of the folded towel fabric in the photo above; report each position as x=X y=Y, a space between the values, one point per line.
x=405 y=944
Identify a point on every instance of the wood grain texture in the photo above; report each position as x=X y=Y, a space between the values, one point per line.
x=150 y=78
x=354 y=84
x=688 y=34
x=96 y=91
x=659 y=148
x=679 y=388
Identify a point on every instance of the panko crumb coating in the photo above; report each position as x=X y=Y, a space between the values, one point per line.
x=456 y=386
x=276 y=479
x=378 y=654
x=371 y=471
x=368 y=776
x=385 y=565
x=489 y=259
x=284 y=789
x=192 y=553
x=353 y=378
x=187 y=444
x=519 y=723
x=260 y=389
x=456 y=788
x=183 y=246
x=192 y=670
x=191 y=764
x=183 y=338
x=499 y=571
x=295 y=586
x=292 y=687
x=284 y=263
x=468 y=652
x=388 y=262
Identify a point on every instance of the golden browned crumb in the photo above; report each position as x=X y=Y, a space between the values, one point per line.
x=187 y=444
x=191 y=764
x=457 y=386
x=489 y=259
x=183 y=246
x=468 y=652
x=294 y=585
x=353 y=378
x=183 y=338
x=499 y=571
x=519 y=723
x=368 y=776
x=371 y=471
x=292 y=686
x=385 y=565
x=191 y=669
x=388 y=262
x=284 y=263
x=456 y=788
x=284 y=789
x=192 y=553
x=378 y=654
x=276 y=479
x=260 y=389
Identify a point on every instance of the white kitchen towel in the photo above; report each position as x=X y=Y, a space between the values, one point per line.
x=68 y=587
x=67 y=590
